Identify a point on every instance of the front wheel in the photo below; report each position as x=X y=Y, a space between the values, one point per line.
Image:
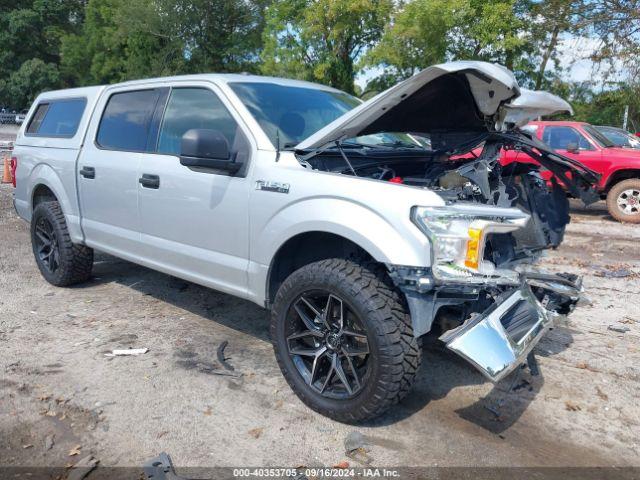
x=623 y=201
x=343 y=339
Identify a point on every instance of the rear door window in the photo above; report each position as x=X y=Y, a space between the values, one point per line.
x=57 y=118
x=126 y=121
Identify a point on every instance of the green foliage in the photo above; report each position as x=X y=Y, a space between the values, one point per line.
x=126 y=39
x=321 y=40
x=48 y=44
x=97 y=54
x=32 y=30
x=607 y=107
x=425 y=32
x=28 y=81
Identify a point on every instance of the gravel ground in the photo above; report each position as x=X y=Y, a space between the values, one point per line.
x=58 y=390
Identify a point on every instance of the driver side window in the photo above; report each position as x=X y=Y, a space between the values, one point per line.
x=559 y=138
x=200 y=108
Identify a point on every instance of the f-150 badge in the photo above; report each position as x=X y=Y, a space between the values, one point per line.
x=272 y=186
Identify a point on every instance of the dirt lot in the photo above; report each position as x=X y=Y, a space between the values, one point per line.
x=58 y=390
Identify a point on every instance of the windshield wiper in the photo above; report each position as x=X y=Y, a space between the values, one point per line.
x=398 y=145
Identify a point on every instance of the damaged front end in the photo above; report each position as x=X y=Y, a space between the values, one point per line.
x=445 y=130
x=500 y=338
x=494 y=324
x=481 y=292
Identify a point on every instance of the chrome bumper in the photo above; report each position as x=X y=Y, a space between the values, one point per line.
x=499 y=339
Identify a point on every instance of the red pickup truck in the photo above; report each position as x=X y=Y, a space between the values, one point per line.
x=619 y=167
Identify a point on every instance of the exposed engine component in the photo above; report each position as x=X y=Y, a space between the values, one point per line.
x=465 y=176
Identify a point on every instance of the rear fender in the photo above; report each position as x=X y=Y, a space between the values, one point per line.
x=43 y=174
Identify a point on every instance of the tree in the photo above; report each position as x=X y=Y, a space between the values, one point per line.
x=32 y=30
x=321 y=40
x=617 y=24
x=417 y=38
x=97 y=54
x=424 y=32
x=127 y=39
x=24 y=85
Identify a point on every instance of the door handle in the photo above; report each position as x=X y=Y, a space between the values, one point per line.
x=88 y=172
x=149 y=181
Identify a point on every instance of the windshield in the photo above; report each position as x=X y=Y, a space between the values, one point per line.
x=290 y=114
x=598 y=136
x=619 y=137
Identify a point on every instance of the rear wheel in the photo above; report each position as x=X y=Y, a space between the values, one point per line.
x=623 y=201
x=61 y=262
x=343 y=340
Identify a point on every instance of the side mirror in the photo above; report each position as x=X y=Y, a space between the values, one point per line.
x=207 y=149
x=572 y=147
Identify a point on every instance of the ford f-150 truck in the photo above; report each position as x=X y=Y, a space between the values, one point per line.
x=333 y=213
x=619 y=167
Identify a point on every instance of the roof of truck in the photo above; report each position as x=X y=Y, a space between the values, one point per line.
x=211 y=77
x=72 y=92
x=231 y=78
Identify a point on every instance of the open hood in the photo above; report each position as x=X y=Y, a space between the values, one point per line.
x=457 y=95
x=532 y=104
x=465 y=97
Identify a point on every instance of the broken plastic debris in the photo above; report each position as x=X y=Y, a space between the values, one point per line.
x=221 y=357
x=127 y=351
x=355 y=447
x=615 y=328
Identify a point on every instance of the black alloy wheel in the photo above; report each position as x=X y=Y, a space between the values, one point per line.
x=343 y=340
x=46 y=245
x=60 y=261
x=327 y=344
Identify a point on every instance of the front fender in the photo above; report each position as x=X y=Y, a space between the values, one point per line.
x=388 y=240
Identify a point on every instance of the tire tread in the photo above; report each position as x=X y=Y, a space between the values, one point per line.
x=387 y=311
x=76 y=261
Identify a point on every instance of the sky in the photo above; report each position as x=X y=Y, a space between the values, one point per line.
x=574 y=53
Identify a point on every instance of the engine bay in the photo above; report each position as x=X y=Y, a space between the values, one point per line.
x=468 y=176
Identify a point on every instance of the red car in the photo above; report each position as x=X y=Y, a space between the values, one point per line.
x=619 y=167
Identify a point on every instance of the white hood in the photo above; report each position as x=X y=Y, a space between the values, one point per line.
x=532 y=104
x=464 y=96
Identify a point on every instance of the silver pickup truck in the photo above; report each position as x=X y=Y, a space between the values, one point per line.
x=362 y=226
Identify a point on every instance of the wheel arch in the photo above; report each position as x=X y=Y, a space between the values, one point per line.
x=305 y=248
x=41 y=193
x=45 y=184
x=619 y=175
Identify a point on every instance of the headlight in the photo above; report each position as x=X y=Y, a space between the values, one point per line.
x=458 y=234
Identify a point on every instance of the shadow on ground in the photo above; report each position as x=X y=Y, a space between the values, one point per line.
x=441 y=369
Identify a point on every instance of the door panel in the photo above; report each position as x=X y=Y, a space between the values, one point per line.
x=559 y=137
x=108 y=168
x=195 y=223
x=109 y=201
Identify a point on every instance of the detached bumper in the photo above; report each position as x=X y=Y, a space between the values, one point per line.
x=499 y=339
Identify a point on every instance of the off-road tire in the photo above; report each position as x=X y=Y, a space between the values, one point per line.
x=75 y=261
x=612 y=197
x=394 y=352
